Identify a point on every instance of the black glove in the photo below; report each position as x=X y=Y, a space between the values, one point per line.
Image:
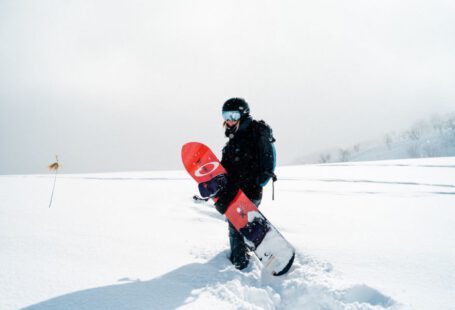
x=226 y=195
x=221 y=206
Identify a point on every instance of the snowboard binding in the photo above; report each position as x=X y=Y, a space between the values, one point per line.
x=212 y=187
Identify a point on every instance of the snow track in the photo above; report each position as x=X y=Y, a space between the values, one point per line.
x=309 y=285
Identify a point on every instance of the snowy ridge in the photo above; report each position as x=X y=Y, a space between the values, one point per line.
x=431 y=138
x=372 y=235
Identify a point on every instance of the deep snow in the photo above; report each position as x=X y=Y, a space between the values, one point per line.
x=371 y=235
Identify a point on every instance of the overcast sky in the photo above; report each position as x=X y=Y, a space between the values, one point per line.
x=114 y=85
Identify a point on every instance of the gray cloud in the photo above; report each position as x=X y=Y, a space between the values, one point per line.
x=120 y=85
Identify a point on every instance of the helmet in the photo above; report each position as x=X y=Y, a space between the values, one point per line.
x=237 y=105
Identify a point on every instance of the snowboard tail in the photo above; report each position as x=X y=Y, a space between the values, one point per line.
x=272 y=249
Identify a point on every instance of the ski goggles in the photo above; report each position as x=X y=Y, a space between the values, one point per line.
x=231 y=115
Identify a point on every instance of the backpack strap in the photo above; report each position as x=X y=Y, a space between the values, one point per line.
x=274 y=179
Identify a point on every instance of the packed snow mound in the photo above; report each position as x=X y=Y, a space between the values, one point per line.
x=215 y=283
x=372 y=235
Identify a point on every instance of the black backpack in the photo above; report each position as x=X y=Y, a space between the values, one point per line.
x=268 y=165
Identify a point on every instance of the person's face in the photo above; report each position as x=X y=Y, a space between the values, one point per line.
x=231 y=123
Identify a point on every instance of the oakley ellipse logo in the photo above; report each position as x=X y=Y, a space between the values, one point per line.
x=204 y=170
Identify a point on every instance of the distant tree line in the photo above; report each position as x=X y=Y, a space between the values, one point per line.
x=426 y=138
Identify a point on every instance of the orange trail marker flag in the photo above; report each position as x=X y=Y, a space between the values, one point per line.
x=54 y=167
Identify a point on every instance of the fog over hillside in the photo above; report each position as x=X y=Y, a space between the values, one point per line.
x=432 y=137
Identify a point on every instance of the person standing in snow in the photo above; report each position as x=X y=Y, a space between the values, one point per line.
x=249 y=159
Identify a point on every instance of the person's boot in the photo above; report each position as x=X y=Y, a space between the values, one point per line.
x=240 y=258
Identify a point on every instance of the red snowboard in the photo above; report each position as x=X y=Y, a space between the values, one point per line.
x=269 y=245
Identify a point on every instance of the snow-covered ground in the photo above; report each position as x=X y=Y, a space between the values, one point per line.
x=371 y=235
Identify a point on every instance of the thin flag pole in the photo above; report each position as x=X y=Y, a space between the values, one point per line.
x=54 y=166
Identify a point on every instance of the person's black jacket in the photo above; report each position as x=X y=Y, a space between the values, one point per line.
x=248 y=157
